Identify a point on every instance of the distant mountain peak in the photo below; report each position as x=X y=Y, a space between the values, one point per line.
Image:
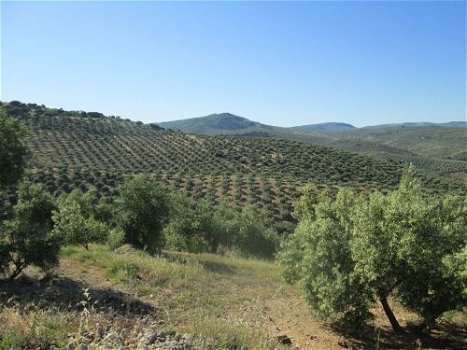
x=212 y=123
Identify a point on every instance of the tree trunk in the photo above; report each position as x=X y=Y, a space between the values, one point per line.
x=387 y=309
x=18 y=268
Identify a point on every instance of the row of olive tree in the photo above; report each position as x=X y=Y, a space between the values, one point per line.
x=350 y=251
x=145 y=215
x=199 y=226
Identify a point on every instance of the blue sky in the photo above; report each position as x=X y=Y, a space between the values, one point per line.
x=280 y=63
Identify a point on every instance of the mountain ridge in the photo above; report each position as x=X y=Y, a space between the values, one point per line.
x=218 y=118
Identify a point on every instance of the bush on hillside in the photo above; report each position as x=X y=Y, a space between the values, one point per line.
x=13 y=150
x=252 y=236
x=143 y=209
x=115 y=238
x=27 y=239
x=75 y=219
x=200 y=226
x=193 y=227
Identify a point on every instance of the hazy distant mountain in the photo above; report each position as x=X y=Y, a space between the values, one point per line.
x=326 y=127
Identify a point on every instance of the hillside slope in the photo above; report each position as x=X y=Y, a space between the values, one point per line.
x=230 y=124
x=86 y=150
x=326 y=127
x=430 y=140
x=436 y=148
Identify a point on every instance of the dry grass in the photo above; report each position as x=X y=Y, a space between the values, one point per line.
x=227 y=302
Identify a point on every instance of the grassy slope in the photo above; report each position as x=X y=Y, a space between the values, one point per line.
x=227 y=302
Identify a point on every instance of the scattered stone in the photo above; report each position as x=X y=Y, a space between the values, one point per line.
x=150 y=338
x=112 y=341
x=126 y=249
x=166 y=340
x=284 y=339
x=345 y=343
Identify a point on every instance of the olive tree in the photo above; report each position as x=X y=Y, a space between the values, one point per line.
x=318 y=257
x=252 y=236
x=27 y=239
x=351 y=251
x=405 y=245
x=193 y=226
x=75 y=219
x=13 y=150
x=143 y=209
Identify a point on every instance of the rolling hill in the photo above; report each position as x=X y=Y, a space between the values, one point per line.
x=230 y=124
x=88 y=150
x=130 y=297
x=436 y=148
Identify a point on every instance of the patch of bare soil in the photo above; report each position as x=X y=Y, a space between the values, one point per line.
x=291 y=316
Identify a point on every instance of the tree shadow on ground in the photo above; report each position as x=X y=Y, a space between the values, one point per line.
x=218 y=267
x=211 y=266
x=66 y=294
x=445 y=335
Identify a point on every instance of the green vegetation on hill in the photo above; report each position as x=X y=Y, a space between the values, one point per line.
x=87 y=150
x=230 y=124
x=211 y=124
x=428 y=140
x=326 y=127
x=102 y=299
x=436 y=148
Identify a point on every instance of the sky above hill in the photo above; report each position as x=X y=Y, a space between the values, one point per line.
x=279 y=63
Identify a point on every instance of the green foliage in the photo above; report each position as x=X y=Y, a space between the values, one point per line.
x=408 y=243
x=318 y=256
x=28 y=239
x=251 y=235
x=200 y=226
x=75 y=219
x=72 y=149
x=351 y=250
x=115 y=238
x=143 y=210
x=193 y=227
x=13 y=150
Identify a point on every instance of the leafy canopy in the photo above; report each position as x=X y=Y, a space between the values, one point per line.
x=75 y=219
x=352 y=250
x=27 y=239
x=143 y=210
x=13 y=150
